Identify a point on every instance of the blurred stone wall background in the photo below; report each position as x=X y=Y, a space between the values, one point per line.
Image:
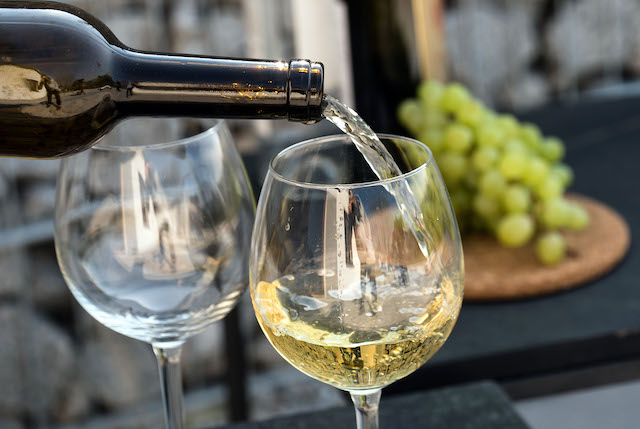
x=520 y=54
x=61 y=369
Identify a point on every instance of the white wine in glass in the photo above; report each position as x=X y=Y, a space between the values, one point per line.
x=340 y=284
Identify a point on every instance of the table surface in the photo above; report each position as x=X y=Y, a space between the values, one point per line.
x=478 y=405
x=593 y=324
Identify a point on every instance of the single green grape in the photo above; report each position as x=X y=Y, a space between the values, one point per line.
x=509 y=125
x=434 y=118
x=411 y=115
x=552 y=149
x=515 y=230
x=536 y=171
x=492 y=183
x=454 y=97
x=453 y=167
x=485 y=206
x=515 y=145
x=490 y=134
x=551 y=248
x=484 y=158
x=550 y=187
x=516 y=199
x=430 y=92
x=433 y=138
x=578 y=217
x=513 y=164
x=555 y=213
x=458 y=138
x=530 y=134
x=471 y=114
x=564 y=173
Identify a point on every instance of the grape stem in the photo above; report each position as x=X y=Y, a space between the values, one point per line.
x=366 y=405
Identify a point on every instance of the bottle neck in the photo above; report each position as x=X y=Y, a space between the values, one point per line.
x=168 y=85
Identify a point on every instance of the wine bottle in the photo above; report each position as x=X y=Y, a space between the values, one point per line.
x=66 y=80
x=382 y=58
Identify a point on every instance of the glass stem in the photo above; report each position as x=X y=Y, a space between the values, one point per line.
x=366 y=404
x=171 y=384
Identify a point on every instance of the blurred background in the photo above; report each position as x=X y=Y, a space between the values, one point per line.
x=61 y=369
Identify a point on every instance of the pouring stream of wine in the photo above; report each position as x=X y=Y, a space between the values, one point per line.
x=384 y=166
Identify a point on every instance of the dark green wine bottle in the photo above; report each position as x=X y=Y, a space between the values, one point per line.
x=66 y=80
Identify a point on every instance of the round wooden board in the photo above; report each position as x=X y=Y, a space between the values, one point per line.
x=493 y=272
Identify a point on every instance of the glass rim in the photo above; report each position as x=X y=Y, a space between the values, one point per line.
x=161 y=145
x=318 y=140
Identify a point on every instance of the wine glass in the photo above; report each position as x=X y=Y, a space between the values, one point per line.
x=338 y=282
x=153 y=239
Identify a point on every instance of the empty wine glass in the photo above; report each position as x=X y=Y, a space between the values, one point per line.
x=153 y=239
x=339 y=284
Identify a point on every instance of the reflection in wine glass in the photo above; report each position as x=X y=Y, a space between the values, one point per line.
x=339 y=284
x=153 y=240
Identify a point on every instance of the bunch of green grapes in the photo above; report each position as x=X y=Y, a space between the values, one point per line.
x=503 y=176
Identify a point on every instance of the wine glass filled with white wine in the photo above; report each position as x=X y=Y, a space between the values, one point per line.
x=349 y=284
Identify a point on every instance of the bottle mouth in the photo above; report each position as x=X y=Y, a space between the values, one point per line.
x=305 y=91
